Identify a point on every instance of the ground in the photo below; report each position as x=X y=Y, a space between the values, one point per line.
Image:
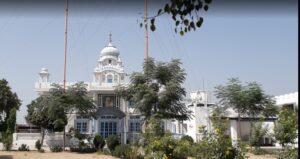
x=50 y=155
x=69 y=155
x=251 y=156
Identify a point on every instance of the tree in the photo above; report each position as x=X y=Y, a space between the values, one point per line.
x=157 y=91
x=246 y=100
x=185 y=14
x=51 y=110
x=9 y=104
x=286 y=127
x=38 y=114
x=258 y=132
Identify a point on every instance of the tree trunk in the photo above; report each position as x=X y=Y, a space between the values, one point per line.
x=239 y=126
x=64 y=139
x=251 y=127
x=43 y=136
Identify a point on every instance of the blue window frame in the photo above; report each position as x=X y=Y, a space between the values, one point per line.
x=108 y=128
x=81 y=127
x=135 y=126
x=109 y=78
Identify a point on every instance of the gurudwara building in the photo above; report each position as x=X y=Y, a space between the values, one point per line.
x=114 y=114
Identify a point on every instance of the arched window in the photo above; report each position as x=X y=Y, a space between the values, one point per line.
x=109 y=78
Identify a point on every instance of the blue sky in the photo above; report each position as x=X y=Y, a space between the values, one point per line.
x=253 y=47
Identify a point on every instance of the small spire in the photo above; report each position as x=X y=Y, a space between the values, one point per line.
x=110 y=37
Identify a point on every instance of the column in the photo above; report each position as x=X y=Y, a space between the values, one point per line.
x=233 y=132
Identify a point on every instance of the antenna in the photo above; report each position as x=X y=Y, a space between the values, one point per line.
x=66 y=45
x=203 y=83
x=110 y=37
x=146 y=30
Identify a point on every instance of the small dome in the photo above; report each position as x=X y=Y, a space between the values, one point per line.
x=110 y=50
x=44 y=71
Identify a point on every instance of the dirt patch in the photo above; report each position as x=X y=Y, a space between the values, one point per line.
x=267 y=156
x=50 y=155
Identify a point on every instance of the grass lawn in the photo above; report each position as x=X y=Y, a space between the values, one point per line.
x=50 y=155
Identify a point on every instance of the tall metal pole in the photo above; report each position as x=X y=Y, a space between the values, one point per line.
x=146 y=31
x=66 y=45
x=65 y=64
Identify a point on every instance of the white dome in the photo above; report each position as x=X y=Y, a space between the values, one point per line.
x=44 y=71
x=110 y=50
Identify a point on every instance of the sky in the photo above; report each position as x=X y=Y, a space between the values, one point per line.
x=251 y=43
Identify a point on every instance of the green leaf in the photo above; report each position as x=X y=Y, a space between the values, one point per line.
x=181 y=33
x=167 y=8
x=159 y=11
x=207 y=1
x=152 y=27
x=206 y=7
x=152 y=21
x=186 y=22
x=177 y=23
x=199 y=22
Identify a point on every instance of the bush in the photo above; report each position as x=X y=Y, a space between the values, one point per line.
x=112 y=141
x=83 y=149
x=287 y=152
x=56 y=148
x=41 y=150
x=98 y=142
x=127 y=151
x=120 y=150
x=7 y=141
x=38 y=145
x=23 y=147
x=257 y=134
x=187 y=138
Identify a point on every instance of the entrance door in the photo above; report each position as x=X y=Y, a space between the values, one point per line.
x=108 y=128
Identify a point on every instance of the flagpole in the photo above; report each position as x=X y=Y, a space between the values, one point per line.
x=66 y=45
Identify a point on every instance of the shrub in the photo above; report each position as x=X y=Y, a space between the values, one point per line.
x=120 y=150
x=23 y=147
x=41 y=150
x=98 y=142
x=288 y=152
x=83 y=148
x=38 y=145
x=285 y=130
x=187 y=138
x=127 y=151
x=112 y=141
x=56 y=148
x=7 y=141
x=182 y=149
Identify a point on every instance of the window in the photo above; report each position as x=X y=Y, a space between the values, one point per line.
x=108 y=128
x=135 y=126
x=109 y=61
x=109 y=78
x=130 y=104
x=174 y=128
x=108 y=100
x=81 y=127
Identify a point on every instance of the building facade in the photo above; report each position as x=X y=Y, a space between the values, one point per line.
x=114 y=115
